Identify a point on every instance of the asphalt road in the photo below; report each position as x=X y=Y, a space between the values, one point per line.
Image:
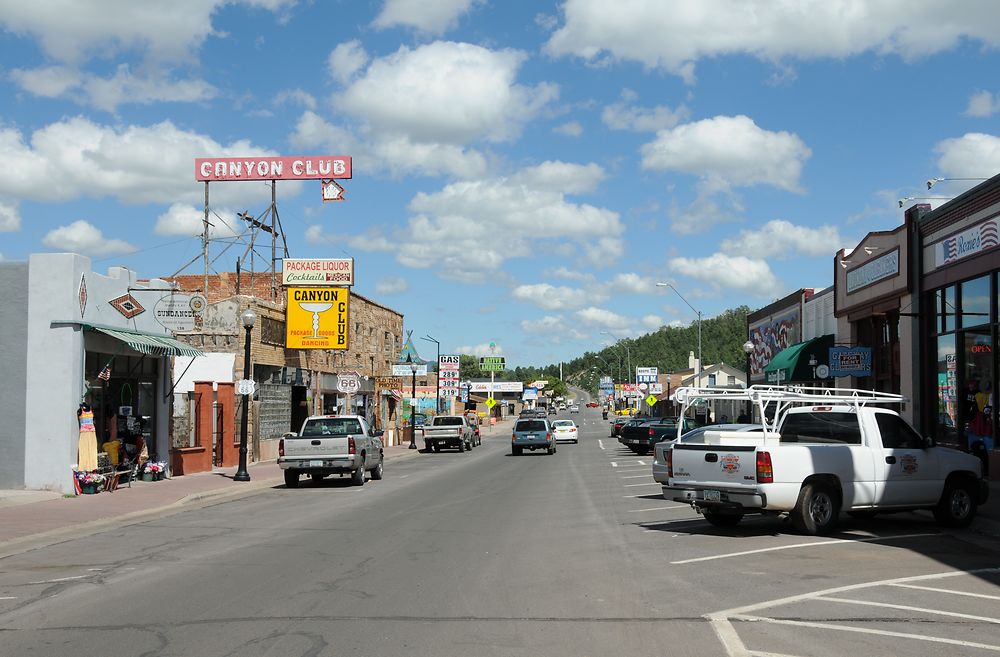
x=483 y=553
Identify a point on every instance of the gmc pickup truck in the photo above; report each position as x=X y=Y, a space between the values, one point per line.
x=331 y=444
x=449 y=431
x=825 y=451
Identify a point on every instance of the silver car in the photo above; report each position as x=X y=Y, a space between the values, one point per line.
x=659 y=458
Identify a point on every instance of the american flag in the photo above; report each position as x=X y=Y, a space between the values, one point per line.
x=105 y=374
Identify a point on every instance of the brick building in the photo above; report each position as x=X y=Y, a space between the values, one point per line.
x=292 y=383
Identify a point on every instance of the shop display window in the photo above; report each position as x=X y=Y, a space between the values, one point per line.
x=947 y=393
x=944 y=304
x=978 y=394
x=975 y=302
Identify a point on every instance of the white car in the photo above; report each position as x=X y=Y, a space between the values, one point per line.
x=566 y=431
x=574 y=408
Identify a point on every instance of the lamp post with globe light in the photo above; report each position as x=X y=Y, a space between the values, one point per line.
x=249 y=318
x=748 y=349
x=413 y=402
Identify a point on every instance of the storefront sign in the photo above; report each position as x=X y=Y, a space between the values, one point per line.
x=646 y=374
x=180 y=312
x=388 y=382
x=877 y=269
x=850 y=361
x=492 y=364
x=309 y=167
x=406 y=370
x=498 y=386
x=309 y=271
x=316 y=318
x=979 y=238
x=529 y=394
x=656 y=388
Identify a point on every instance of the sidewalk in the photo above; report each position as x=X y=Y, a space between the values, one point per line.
x=30 y=515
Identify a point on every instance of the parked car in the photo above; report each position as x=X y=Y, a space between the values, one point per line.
x=643 y=435
x=331 y=444
x=694 y=435
x=626 y=425
x=532 y=434
x=449 y=431
x=566 y=431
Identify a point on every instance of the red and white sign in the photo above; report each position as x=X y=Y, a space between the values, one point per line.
x=448 y=379
x=311 y=271
x=305 y=167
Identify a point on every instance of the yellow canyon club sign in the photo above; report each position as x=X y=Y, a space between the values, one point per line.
x=316 y=318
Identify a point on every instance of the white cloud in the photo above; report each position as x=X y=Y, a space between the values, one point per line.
x=296 y=97
x=983 y=104
x=47 y=82
x=784 y=239
x=570 y=275
x=673 y=37
x=632 y=283
x=603 y=318
x=430 y=16
x=10 y=218
x=730 y=149
x=569 y=129
x=345 y=60
x=624 y=116
x=84 y=238
x=973 y=155
x=555 y=329
x=553 y=297
x=446 y=92
x=714 y=204
x=392 y=285
x=373 y=240
x=652 y=322
x=182 y=220
x=75 y=30
x=480 y=350
x=723 y=272
x=135 y=164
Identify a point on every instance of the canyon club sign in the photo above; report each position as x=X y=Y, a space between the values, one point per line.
x=306 y=167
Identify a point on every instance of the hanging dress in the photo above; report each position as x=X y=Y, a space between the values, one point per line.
x=87 y=457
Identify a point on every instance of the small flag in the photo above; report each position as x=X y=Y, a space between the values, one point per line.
x=105 y=374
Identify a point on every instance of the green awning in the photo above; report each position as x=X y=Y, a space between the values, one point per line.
x=148 y=343
x=800 y=361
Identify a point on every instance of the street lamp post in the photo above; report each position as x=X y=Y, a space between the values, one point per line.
x=437 y=383
x=748 y=349
x=248 y=317
x=413 y=402
x=697 y=312
x=628 y=356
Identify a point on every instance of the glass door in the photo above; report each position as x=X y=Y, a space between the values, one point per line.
x=978 y=395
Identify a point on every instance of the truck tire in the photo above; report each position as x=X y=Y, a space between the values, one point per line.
x=516 y=451
x=816 y=510
x=427 y=447
x=461 y=445
x=358 y=477
x=291 y=478
x=378 y=471
x=957 y=506
x=717 y=519
x=550 y=451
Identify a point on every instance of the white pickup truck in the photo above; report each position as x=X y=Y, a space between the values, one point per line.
x=449 y=431
x=825 y=451
x=331 y=444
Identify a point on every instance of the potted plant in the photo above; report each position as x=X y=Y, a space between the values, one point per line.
x=149 y=472
x=159 y=470
x=90 y=482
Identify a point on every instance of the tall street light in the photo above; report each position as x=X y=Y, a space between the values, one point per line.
x=437 y=383
x=698 y=312
x=248 y=317
x=628 y=353
x=413 y=402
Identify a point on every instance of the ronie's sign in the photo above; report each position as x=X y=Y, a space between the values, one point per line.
x=307 y=271
x=305 y=167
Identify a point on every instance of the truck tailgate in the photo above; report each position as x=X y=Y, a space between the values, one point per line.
x=316 y=446
x=723 y=459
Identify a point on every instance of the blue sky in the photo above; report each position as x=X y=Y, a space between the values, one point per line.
x=524 y=172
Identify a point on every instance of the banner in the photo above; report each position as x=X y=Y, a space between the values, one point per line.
x=316 y=318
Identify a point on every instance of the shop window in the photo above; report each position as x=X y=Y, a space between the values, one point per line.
x=976 y=418
x=975 y=308
x=947 y=393
x=944 y=303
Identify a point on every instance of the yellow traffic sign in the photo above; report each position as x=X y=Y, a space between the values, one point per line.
x=490 y=403
x=651 y=400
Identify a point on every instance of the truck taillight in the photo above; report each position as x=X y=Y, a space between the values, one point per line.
x=513 y=437
x=350 y=445
x=548 y=437
x=651 y=432
x=669 y=453
x=281 y=447
x=765 y=473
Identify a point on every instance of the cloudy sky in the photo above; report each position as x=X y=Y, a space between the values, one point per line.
x=524 y=172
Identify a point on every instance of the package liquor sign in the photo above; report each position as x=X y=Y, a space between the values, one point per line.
x=313 y=272
x=492 y=364
x=316 y=318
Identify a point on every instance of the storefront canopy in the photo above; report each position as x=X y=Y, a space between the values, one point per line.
x=801 y=362
x=148 y=343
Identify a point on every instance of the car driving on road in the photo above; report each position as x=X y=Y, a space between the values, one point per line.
x=535 y=433
x=566 y=431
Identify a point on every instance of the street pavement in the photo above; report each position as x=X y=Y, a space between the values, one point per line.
x=484 y=553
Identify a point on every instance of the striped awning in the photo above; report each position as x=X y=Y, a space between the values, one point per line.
x=149 y=343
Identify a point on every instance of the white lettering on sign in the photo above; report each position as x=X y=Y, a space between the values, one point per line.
x=981 y=237
x=882 y=267
x=308 y=271
x=272 y=168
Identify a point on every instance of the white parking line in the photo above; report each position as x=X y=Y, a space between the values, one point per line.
x=642 y=463
x=8 y=598
x=661 y=508
x=937 y=590
x=60 y=579
x=614 y=465
x=650 y=483
x=836 y=541
x=758 y=653
x=919 y=610
x=636 y=476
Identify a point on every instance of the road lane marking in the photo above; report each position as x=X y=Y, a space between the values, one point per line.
x=8 y=598
x=636 y=476
x=600 y=443
x=59 y=579
x=642 y=463
x=870 y=630
x=758 y=653
x=649 y=483
x=836 y=541
x=614 y=465
x=661 y=508
x=937 y=590
x=921 y=610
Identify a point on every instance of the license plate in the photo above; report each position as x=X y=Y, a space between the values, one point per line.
x=713 y=496
x=315 y=464
x=632 y=442
x=531 y=437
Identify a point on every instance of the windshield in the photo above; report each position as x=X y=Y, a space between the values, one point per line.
x=446 y=421
x=530 y=425
x=565 y=424
x=337 y=426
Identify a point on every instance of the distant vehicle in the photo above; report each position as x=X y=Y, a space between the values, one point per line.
x=474 y=423
x=331 y=444
x=419 y=419
x=449 y=431
x=532 y=434
x=552 y=410
x=566 y=431
x=574 y=409
x=643 y=436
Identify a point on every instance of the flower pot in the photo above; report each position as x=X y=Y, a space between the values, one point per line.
x=147 y=476
x=88 y=489
x=158 y=476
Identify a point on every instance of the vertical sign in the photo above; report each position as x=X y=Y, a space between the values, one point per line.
x=448 y=379
x=316 y=318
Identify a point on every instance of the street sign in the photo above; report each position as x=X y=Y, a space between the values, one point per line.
x=656 y=388
x=348 y=383
x=490 y=403
x=646 y=374
x=246 y=387
x=492 y=364
x=651 y=400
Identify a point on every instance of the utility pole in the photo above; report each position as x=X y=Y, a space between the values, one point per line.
x=204 y=243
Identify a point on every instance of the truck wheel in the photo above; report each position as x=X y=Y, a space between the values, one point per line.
x=958 y=505
x=516 y=451
x=358 y=477
x=550 y=450
x=717 y=519
x=378 y=470
x=816 y=510
x=291 y=478
x=427 y=447
x=461 y=445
